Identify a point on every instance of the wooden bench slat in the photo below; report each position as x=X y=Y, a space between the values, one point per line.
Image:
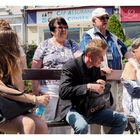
x=115 y=75
x=41 y=74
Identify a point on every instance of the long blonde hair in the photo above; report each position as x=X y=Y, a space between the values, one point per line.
x=10 y=58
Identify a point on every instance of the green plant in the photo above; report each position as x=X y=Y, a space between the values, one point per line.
x=29 y=50
x=128 y=42
x=28 y=86
x=115 y=27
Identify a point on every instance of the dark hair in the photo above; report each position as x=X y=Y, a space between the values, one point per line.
x=59 y=21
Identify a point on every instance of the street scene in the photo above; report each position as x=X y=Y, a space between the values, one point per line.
x=69 y=69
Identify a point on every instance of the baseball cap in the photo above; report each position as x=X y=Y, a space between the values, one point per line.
x=99 y=12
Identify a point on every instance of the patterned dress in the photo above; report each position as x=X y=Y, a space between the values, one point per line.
x=54 y=57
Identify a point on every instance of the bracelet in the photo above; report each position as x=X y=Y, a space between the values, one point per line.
x=35 y=100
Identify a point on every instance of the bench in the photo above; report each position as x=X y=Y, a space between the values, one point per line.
x=44 y=74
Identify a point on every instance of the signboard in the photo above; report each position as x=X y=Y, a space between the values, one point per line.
x=129 y=13
x=69 y=15
x=72 y=15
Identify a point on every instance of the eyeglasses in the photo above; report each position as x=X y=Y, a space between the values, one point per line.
x=104 y=18
x=61 y=27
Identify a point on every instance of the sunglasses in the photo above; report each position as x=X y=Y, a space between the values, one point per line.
x=104 y=18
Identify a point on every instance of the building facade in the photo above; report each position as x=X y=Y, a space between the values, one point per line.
x=130 y=19
x=14 y=15
x=78 y=19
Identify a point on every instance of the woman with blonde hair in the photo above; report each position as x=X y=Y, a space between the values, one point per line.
x=131 y=83
x=11 y=74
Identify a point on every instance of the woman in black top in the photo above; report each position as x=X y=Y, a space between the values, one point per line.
x=11 y=74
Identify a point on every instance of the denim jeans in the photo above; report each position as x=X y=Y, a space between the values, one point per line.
x=105 y=117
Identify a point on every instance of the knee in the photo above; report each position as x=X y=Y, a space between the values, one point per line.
x=41 y=127
x=29 y=123
x=123 y=121
x=26 y=125
x=82 y=128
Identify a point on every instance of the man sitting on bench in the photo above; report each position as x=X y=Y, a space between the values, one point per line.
x=79 y=76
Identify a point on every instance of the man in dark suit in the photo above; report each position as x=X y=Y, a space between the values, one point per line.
x=80 y=76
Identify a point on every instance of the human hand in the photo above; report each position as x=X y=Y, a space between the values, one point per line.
x=106 y=70
x=43 y=99
x=100 y=81
x=99 y=88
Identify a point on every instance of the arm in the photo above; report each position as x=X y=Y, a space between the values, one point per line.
x=85 y=40
x=69 y=88
x=43 y=100
x=37 y=63
x=126 y=72
x=132 y=88
x=129 y=81
x=35 y=83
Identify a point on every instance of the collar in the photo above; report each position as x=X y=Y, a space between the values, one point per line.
x=96 y=31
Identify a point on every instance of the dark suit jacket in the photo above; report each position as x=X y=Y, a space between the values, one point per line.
x=73 y=84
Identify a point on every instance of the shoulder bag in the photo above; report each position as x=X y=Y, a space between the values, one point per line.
x=10 y=109
x=94 y=102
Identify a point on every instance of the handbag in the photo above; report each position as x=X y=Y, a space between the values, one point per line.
x=10 y=109
x=94 y=102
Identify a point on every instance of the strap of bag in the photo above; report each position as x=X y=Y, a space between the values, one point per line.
x=9 y=91
x=70 y=41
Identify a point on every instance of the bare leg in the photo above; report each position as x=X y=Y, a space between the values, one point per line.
x=21 y=124
x=40 y=125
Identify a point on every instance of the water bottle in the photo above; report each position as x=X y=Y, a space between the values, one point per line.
x=40 y=110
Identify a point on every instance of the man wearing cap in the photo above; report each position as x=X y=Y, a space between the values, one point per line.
x=115 y=52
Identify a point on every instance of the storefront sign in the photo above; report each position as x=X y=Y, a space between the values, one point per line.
x=74 y=15
x=69 y=15
x=129 y=13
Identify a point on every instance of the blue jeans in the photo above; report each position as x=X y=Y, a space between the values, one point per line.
x=105 y=117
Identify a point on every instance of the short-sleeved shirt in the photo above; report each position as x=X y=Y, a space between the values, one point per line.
x=54 y=57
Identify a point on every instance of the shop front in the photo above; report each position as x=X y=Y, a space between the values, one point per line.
x=78 y=19
x=130 y=19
